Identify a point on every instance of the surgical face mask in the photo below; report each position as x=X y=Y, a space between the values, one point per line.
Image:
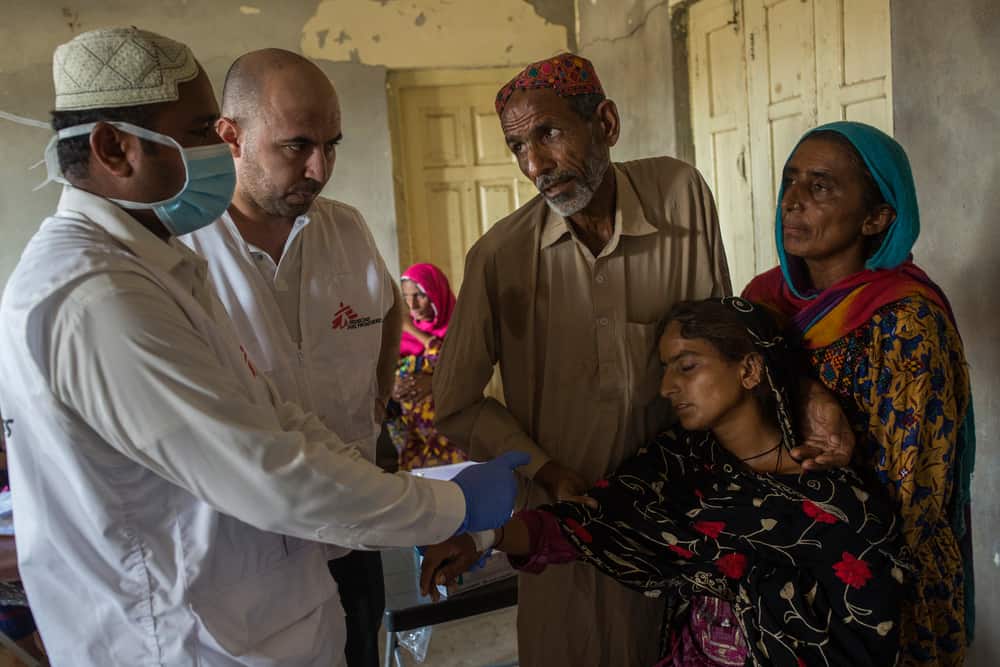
x=209 y=179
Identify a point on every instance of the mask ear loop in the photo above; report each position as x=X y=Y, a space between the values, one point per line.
x=54 y=171
x=163 y=140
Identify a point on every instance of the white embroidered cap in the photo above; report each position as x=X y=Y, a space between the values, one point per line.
x=119 y=67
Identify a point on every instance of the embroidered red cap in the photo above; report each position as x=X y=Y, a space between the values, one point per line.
x=567 y=74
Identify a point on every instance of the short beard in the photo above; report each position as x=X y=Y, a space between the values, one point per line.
x=595 y=166
x=261 y=192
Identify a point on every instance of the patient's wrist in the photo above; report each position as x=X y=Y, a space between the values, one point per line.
x=483 y=539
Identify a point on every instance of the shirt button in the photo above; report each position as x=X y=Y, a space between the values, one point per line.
x=603 y=321
x=600 y=279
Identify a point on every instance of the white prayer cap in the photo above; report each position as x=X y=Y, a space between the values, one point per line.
x=119 y=67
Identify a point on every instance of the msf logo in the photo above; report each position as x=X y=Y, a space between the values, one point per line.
x=343 y=317
x=346 y=318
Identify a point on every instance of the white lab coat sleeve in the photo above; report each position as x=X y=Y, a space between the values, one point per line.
x=123 y=355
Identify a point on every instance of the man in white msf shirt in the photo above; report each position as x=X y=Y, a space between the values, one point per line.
x=170 y=507
x=303 y=281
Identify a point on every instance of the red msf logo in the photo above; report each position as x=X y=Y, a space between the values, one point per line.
x=246 y=360
x=342 y=318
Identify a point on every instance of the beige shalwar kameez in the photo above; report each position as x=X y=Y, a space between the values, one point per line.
x=575 y=338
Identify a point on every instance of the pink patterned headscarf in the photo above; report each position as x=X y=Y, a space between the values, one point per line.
x=432 y=282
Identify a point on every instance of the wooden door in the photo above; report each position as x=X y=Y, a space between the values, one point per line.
x=781 y=53
x=854 y=62
x=720 y=125
x=802 y=63
x=455 y=175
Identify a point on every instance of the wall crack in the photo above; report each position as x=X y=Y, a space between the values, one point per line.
x=638 y=26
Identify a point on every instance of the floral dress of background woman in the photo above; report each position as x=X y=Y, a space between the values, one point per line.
x=411 y=427
x=885 y=341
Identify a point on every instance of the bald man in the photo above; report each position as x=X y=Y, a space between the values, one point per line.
x=304 y=282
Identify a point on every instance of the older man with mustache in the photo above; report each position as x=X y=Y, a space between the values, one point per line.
x=566 y=295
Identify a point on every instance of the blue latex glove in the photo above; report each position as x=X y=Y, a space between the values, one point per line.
x=490 y=490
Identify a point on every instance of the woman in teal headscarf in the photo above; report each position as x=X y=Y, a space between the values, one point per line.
x=881 y=335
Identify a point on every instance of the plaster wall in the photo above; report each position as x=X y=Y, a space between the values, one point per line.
x=451 y=34
x=436 y=33
x=217 y=32
x=946 y=100
x=632 y=46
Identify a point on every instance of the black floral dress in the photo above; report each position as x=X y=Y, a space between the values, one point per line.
x=811 y=563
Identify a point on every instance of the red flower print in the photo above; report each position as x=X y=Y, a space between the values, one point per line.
x=579 y=530
x=681 y=551
x=853 y=572
x=601 y=484
x=732 y=565
x=801 y=663
x=710 y=528
x=698 y=493
x=817 y=513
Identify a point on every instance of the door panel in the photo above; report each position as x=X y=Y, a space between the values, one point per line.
x=719 y=115
x=445 y=201
x=442 y=145
x=854 y=62
x=782 y=83
x=496 y=199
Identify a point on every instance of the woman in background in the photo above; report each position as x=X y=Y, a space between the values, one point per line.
x=431 y=302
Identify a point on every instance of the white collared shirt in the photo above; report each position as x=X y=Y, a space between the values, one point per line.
x=284 y=276
x=158 y=489
x=313 y=320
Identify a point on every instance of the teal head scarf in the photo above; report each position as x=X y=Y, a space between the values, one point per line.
x=889 y=166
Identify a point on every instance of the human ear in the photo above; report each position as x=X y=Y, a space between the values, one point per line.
x=611 y=126
x=111 y=150
x=751 y=371
x=878 y=221
x=229 y=131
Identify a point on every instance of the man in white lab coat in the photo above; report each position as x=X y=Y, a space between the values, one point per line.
x=303 y=281
x=169 y=505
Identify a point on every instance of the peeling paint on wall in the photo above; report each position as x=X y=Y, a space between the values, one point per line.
x=437 y=33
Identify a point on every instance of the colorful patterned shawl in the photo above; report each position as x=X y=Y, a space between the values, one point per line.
x=823 y=317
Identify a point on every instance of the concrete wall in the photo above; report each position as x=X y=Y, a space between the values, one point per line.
x=631 y=44
x=945 y=59
x=411 y=34
x=217 y=31
x=437 y=33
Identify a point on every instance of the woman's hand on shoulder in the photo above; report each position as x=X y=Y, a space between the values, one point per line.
x=827 y=438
